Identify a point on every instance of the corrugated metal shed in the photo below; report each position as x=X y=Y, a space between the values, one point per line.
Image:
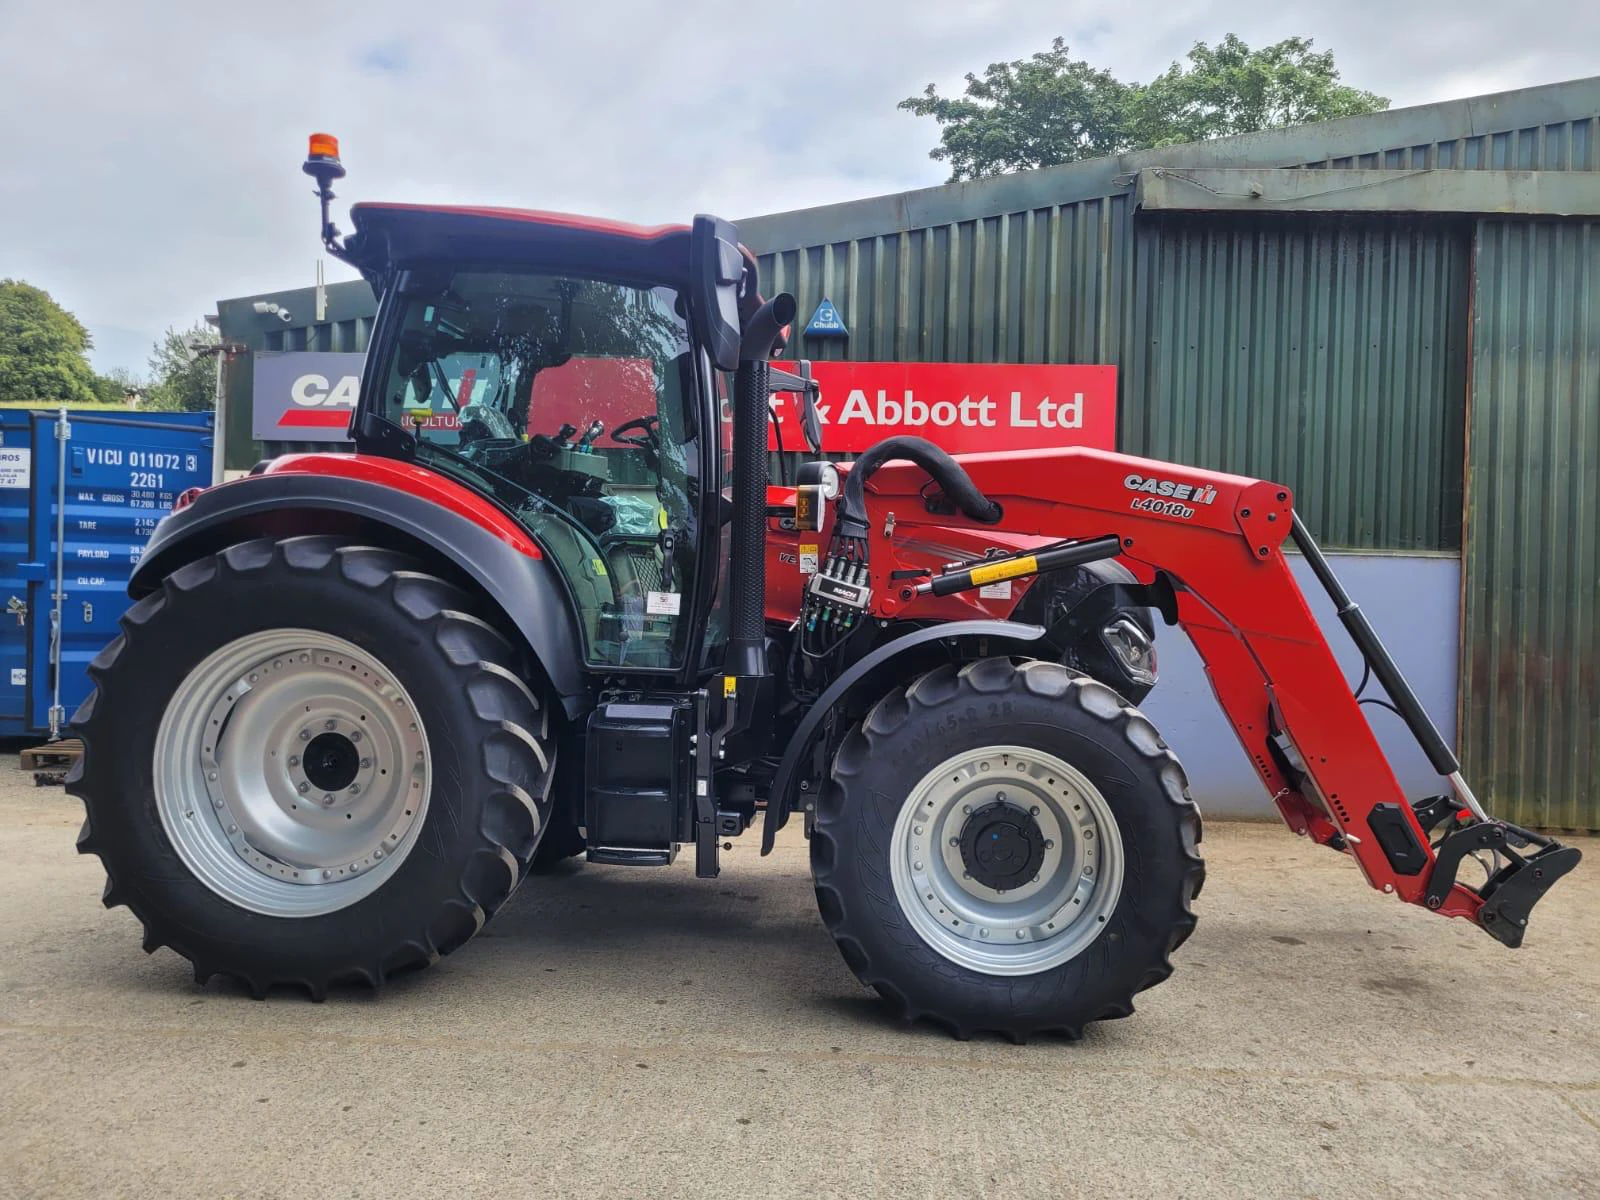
x=1530 y=704
x=346 y=325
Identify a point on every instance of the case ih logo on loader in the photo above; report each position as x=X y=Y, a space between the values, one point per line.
x=452 y=653
x=1182 y=495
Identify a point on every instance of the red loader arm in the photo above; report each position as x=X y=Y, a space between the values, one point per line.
x=1219 y=539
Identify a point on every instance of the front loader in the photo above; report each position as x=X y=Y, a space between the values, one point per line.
x=359 y=696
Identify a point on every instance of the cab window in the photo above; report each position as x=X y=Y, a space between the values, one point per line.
x=572 y=402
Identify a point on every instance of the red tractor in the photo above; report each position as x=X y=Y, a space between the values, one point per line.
x=359 y=695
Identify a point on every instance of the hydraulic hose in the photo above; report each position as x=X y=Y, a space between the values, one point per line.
x=945 y=471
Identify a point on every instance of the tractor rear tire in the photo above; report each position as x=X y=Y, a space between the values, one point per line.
x=280 y=704
x=1007 y=848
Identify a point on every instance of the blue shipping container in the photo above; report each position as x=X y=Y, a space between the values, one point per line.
x=111 y=477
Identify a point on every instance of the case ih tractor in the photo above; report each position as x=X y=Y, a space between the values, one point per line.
x=552 y=606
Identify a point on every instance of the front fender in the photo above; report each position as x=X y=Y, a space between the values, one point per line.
x=779 y=799
x=490 y=550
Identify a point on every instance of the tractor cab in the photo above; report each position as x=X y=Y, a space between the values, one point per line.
x=577 y=373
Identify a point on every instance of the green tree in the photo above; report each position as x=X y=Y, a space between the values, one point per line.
x=183 y=379
x=1232 y=89
x=1052 y=108
x=43 y=349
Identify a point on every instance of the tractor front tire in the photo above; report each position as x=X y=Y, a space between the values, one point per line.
x=310 y=763
x=1007 y=848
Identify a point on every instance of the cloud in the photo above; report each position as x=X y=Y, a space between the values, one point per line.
x=152 y=151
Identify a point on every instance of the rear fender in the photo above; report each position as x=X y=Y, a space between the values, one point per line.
x=872 y=674
x=486 y=548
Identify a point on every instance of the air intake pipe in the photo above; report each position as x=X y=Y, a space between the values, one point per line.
x=747 y=639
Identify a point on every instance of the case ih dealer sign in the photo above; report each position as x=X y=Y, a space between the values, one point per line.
x=303 y=396
x=961 y=407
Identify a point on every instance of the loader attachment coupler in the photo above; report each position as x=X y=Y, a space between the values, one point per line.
x=1516 y=881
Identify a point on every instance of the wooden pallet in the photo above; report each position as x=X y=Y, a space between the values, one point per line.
x=51 y=761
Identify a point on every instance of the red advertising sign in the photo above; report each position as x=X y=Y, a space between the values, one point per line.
x=961 y=407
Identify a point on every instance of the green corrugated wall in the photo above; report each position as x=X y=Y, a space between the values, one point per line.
x=1324 y=352
x=1530 y=706
x=1327 y=353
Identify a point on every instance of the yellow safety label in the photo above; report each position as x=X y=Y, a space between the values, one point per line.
x=730 y=685
x=995 y=572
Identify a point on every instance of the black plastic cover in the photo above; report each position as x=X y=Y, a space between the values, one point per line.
x=639 y=775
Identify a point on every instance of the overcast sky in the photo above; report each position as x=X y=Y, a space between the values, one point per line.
x=150 y=153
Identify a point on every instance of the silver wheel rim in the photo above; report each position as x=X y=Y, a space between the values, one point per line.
x=1048 y=919
x=291 y=773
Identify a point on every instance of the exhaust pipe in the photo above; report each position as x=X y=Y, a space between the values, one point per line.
x=747 y=635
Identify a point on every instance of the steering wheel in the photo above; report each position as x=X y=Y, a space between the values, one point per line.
x=649 y=435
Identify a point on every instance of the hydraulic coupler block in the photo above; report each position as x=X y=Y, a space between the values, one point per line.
x=838 y=595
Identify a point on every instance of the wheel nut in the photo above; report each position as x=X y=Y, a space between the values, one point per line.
x=1034 y=811
x=1088 y=835
x=354 y=788
x=1049 y=845
x=304 y=788
x=355 y=735
x=328 y=800
x=305 y=735
x=330 y=724
x=999 y=795
x=378 y=853
x=365 y=763
x=327 y=874
x=955 y=841
x=1022 y=933
x=294 y=760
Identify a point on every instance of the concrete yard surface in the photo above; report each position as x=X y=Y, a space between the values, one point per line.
x=630 y=1032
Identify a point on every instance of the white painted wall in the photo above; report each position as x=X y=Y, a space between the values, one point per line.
x=1414 y=603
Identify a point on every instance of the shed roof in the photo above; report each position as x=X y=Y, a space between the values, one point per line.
x=1552 y=127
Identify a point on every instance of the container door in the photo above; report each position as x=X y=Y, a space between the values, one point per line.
x=122 y=476
x=16 y=478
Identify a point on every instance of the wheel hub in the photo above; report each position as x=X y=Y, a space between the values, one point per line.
x=1006 y=860
x=1002 y=846
x=331 y=762
x=291 y=772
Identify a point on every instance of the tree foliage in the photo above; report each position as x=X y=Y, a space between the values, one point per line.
x=1052 y=108
x=43 y=349
x=183 y=379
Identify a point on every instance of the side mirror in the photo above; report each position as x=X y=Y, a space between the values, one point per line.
x=715 y=270
x=799 y=383
x=810 y=422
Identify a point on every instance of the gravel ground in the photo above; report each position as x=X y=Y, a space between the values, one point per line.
x=637 y=1032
